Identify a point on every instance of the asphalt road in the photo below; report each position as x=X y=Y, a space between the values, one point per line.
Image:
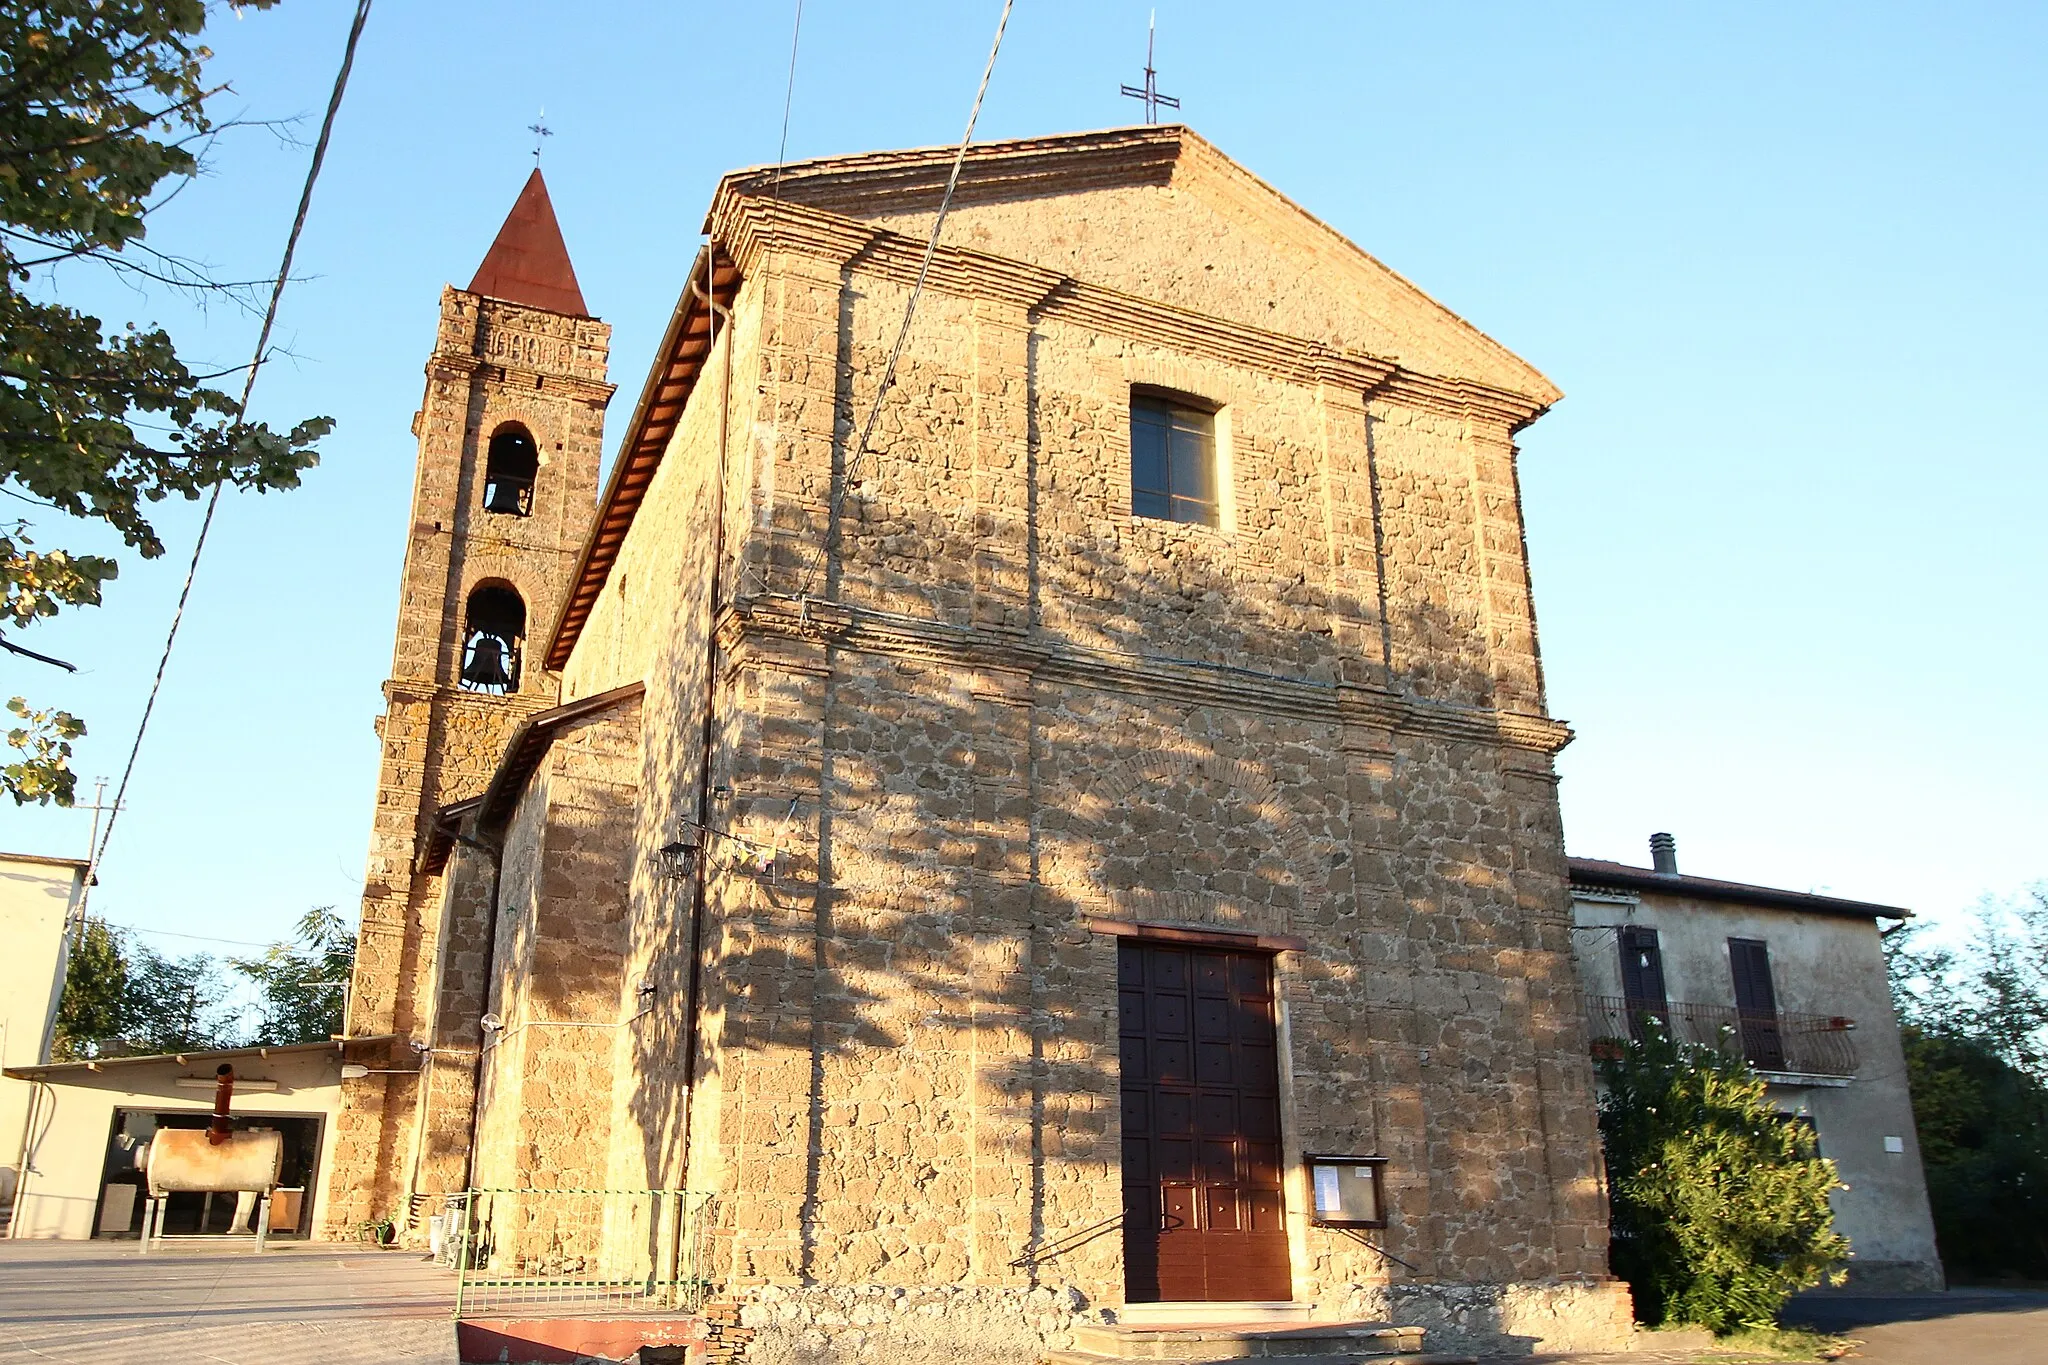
x=1961 y=1327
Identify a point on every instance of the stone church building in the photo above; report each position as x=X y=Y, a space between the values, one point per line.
x=991 y=859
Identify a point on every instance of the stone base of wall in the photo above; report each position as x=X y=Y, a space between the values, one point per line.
x=1502 y=1319
x=954 y=1325
x=966 y=1325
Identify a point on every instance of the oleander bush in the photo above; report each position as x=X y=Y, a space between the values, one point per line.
x=1719 y=1204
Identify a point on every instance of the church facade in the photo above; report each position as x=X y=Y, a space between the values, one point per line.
x=995 y=810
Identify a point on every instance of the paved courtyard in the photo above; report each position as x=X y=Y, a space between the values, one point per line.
x=102 y=1303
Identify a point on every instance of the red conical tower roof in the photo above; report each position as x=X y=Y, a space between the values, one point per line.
x=529 y=263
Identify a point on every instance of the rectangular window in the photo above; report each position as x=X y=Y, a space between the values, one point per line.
x=1642 y=977
x=1173 y=460
x=1756 y=1004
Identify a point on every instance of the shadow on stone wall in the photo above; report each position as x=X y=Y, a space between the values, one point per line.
x=934 y=899
x=916 y=969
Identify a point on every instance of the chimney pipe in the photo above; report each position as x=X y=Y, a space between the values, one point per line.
x=220 y=1129
x=1664 y=855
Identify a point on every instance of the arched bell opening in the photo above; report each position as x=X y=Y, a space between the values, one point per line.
x=493 y=639
x=511 y=464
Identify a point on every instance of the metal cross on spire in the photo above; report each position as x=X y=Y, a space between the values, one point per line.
x=1149 y=92
x=541 y=132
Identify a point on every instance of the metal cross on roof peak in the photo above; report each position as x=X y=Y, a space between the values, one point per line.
x=1149 y=92
x=541 y=132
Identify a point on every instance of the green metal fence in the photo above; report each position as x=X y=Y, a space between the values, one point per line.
x=579 y=1251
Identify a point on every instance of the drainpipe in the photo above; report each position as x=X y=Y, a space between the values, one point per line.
x=38 y=1094
x=700 y=881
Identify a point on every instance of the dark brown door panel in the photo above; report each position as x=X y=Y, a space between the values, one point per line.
x=1203 y=1213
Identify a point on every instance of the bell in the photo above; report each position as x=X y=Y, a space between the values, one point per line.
x=486 y=666
x=507 y=497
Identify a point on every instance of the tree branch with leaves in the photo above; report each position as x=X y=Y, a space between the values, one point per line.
x=102 y=103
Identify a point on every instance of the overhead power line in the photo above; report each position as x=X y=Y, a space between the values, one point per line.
x=284 y=270
x=173 y=933
x=788 y=96
x=836 y=504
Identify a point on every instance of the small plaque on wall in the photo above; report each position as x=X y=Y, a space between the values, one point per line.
x=1350 y=1191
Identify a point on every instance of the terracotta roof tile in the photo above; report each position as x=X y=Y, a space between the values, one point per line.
x=529 y=263
x=1596 y=872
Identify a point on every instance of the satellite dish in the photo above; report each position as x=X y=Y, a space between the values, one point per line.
x=492 y=1023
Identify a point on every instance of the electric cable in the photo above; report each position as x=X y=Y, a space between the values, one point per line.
x=788 y=95
x=284 y=269
x=836 y=505
x=173 y=933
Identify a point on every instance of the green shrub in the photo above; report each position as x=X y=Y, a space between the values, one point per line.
x=1719 y=1204
x=1983 y=1126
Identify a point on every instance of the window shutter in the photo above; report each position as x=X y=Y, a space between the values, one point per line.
x=1756 y=1004
x=1642 y=968
x=1750 y=960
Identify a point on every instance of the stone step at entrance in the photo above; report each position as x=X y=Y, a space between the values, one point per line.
x=1350 y=1358
x=1242 y=1312
x=1293 y=1341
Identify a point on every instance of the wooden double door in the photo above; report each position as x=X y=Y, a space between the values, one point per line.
x=1203 y=1213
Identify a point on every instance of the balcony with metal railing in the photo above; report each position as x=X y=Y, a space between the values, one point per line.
x=1777 y=1042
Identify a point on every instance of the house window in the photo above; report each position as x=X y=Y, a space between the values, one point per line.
x=509 y=470
x=1173 y=459
x=1642 y=978
x=493 y=636
x=1756 y=1004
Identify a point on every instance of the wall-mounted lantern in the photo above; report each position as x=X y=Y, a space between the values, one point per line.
x=679 y=859
x=1350 y=1191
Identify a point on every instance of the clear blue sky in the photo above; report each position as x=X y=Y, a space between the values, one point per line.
x=1785 y=261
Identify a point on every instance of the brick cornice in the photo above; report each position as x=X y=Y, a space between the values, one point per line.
x=757 y=631
x=582 y=390
x=752 y=229
x=468 y=367
x=452 y=365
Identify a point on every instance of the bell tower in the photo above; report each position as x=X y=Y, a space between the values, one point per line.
x=510 y=437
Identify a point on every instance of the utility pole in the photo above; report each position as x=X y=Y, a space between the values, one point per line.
x=92 y=843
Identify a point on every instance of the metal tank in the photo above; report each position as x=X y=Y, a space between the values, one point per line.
x=182 y=1160
x=212 y=1160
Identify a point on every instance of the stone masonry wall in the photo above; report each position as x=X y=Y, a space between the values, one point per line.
x=562 y=934
x=978 y=706
x=493 y=363
x=448 y=1098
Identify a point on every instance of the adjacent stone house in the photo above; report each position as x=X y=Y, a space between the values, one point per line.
x=990 y=851
x=1795 y=983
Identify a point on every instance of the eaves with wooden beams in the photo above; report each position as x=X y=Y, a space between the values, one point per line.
x=678 y=361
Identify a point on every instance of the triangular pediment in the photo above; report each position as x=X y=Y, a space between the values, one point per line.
x=1159 y=213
